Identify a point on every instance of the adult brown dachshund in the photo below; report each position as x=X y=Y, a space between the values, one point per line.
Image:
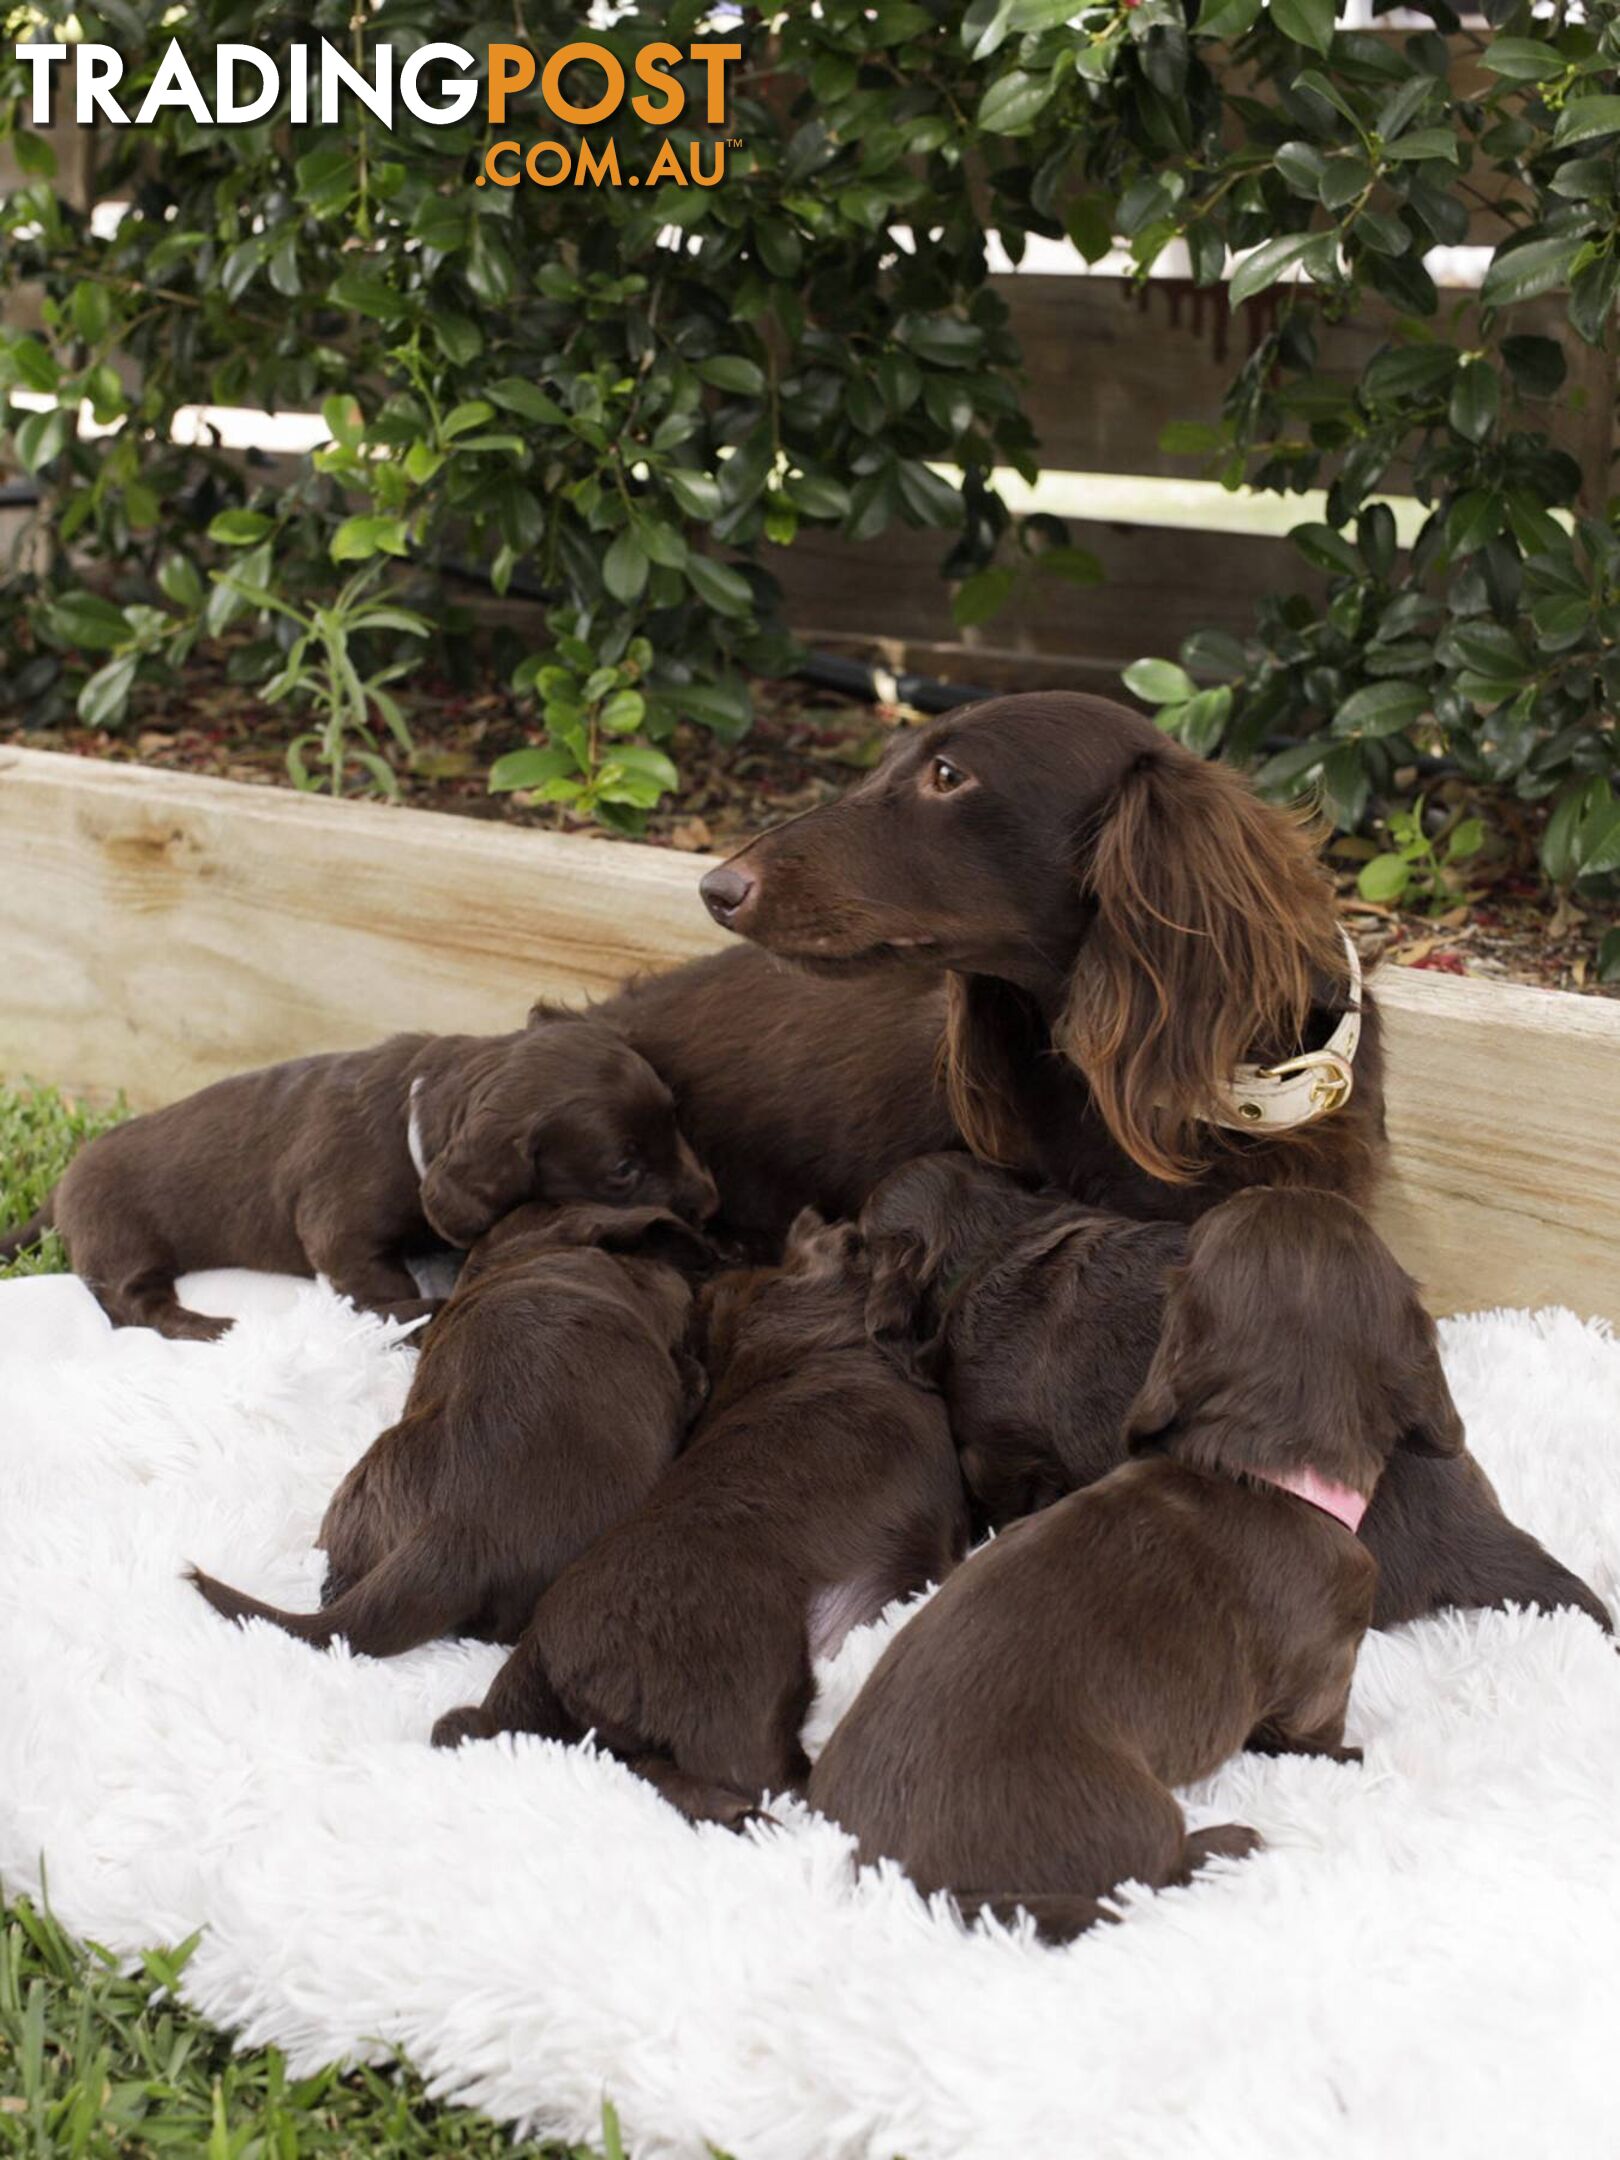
x=1039 y=1320
x=1098 y=927
x=1017 y=1743
x=1042 y=927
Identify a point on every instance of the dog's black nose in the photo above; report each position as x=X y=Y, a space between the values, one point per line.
x=724 y=892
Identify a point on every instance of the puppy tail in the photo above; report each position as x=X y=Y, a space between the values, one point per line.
x=13 y=1242
x=407 y=1599
x=1058 y=1917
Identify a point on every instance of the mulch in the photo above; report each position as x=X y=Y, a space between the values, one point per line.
x=806 y=746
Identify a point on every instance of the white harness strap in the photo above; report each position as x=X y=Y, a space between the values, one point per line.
x=413 y=1131
x=1299 y=1090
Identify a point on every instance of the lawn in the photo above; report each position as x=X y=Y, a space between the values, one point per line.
x=101 y=2061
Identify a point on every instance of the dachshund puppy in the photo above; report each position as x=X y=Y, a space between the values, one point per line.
x=1039 y=1319
x=336 y=1165
x=1017 y=1743
x=819 y=1485
x=551 y=1395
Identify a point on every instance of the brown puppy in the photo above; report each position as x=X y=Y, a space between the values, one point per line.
x=819 y=1485
x=1039 y=1320
x=1017 y=1742
x=334 y=1165
x=551 y=1394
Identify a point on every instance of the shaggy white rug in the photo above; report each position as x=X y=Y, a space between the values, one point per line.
x=1425 y=1960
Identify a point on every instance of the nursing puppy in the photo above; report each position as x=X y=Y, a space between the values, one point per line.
x=1017 y=1743
x=1037 y=1317
x=1039 y=1320
x=551 y=1394
x=819 y=1485
x=337 y=1165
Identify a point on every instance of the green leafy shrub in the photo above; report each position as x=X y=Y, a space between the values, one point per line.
x=1495 y=640
x=611 y=399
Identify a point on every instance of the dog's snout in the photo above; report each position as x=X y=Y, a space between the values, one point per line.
x=726 y=892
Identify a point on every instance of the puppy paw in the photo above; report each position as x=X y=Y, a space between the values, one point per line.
x=1225 y=1841
x=469 y=1723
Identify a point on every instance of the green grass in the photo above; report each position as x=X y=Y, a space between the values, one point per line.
x=39 y=1130
x=97 y=2063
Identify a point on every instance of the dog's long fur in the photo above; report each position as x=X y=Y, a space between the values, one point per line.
x=1117 y=925
x=550 y=1395
x=306 y=1168
x=1040 y=1320
x=1018 y=1741
x=819 y=1485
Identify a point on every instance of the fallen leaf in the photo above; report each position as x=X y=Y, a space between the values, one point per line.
x=692 y=836
x=1415 y=954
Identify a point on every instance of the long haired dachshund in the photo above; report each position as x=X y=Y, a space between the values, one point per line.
x=1127 y=933
x=1018 y=1742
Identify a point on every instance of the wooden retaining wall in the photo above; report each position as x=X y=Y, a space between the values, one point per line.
x=157 y=932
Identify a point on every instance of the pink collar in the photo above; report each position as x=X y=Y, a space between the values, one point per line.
x=1342 y=1502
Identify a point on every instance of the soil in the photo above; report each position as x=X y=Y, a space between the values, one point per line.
x=806 y=746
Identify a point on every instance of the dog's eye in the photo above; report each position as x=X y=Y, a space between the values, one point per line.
x=624 y=1172
x=944 y=777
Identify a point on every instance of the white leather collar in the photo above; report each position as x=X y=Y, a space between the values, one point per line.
x=413 y=1131
x=1299 y=1090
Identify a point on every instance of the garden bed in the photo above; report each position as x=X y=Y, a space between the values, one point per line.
x=158 y=930
x=805 y=747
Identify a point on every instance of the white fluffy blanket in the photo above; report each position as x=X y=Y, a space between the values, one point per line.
x=1425 y=1959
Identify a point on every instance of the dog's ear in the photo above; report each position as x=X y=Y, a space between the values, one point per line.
x=480 y=1173
x=898 y=1304
x=1428 y=1418
x=1213 y=928
x=655 y=1234
x=1159 y=1399
x=989 y=1040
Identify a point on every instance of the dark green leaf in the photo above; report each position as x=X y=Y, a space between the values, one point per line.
x=104 y=700
x=1537 y=364
x=1307 y=22
x=1535 y=266
x=1325 y=549
x=698 y=493
x=1584 y=119
x=979 y=597
x=1228 y=19
x=719 y=586
x=624 y=567
x=1268 y=261
x=1522 y=59
x=1014 y=101
x=1382 y=708
x=1475 y=396
x=734 y=373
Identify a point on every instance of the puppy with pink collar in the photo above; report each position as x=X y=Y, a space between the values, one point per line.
x=1018 y=1743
